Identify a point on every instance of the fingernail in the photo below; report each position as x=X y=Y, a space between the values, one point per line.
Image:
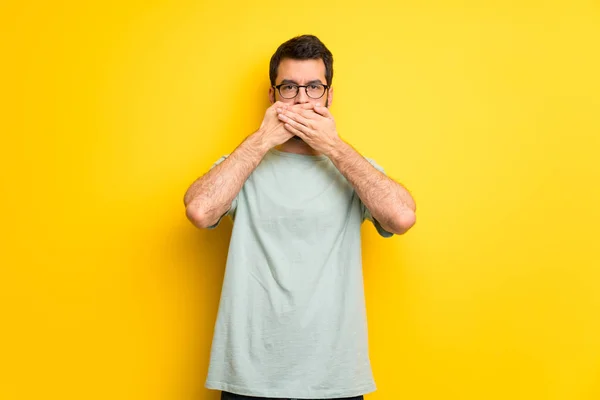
x=318 y=104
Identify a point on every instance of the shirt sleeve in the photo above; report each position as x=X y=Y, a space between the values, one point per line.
x=231 y=211
x=366 y=214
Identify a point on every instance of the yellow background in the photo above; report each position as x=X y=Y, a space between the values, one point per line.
x=487 y=111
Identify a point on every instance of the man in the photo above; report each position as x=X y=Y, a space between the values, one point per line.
x=291 y=320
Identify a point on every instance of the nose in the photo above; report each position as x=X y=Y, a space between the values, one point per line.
x=301 y=97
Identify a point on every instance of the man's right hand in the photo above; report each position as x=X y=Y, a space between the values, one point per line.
x=271 y=131
x=205 y=205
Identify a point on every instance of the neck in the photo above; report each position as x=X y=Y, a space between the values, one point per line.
x=297 y=146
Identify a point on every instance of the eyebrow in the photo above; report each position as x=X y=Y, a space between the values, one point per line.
x=285 y=81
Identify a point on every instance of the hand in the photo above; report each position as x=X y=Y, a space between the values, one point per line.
x=316 y=127
x=271 y=130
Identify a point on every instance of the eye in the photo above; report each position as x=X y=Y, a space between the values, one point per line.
x=289 y=87
x=314 y=87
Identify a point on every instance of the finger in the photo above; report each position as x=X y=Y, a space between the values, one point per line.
x=294 y=131
x=302 y=106
x=309 y=114
x=324 y=111
x=295 y=117
x=295 y=121
x=280 y=106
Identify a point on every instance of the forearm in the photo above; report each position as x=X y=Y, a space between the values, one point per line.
x=211 y=195
x=388 y=201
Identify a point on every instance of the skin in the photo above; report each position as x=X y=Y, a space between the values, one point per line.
x=303 y=126
x=301 y=73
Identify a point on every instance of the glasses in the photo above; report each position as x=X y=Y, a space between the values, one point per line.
x=290 y=90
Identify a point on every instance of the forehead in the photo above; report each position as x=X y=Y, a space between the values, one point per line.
x=301 y=71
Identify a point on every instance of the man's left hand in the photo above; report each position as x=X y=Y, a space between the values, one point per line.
x=316 y=127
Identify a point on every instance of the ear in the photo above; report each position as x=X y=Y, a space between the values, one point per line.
x=329 y=97
x=271 y=95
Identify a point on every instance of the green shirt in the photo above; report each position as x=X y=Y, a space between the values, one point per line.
x=291 y=320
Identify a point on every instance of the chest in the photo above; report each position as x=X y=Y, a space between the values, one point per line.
x=299 y=202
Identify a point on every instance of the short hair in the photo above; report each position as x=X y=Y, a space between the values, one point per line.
x=305 y=47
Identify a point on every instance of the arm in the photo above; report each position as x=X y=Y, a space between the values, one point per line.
x=388 y=201
x=211 y=195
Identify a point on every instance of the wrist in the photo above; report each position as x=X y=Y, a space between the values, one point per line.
x=337 y=149
x=259 y=141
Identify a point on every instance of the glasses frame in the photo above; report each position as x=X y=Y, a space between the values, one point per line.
x=301 y=86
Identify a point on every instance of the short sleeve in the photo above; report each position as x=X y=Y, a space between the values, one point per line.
x=366 y=214
x=232 y=209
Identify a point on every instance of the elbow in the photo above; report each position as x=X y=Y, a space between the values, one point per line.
x=405 y=220
x=196 y=216
x=187 y=199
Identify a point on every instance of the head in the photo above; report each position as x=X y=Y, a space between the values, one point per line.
x=303 y=60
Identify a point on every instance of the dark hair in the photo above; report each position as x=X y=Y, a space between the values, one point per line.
x=305 y=47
